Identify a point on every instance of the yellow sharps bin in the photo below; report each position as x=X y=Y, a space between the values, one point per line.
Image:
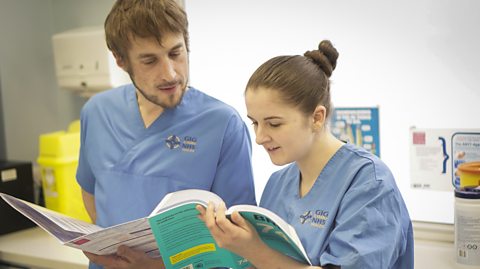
x=58 y=161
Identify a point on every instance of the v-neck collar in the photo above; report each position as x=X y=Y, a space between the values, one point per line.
x=323 y=174
x=137 y=119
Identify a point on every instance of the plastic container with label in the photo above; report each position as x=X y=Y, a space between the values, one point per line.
x=467 y=226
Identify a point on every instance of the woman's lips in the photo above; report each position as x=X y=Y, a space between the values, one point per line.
x=271 y=149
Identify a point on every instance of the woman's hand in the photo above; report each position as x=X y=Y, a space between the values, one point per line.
x=237 y=235
x=126 y=258
x=240 y=237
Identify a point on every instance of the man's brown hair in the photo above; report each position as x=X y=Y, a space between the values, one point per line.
x=145 y=19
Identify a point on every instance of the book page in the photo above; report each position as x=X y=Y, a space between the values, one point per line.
x=66 y=222
x=177 y=198
x=85 y=236
x=63 y=227
x=135 y=234
x=273 y=230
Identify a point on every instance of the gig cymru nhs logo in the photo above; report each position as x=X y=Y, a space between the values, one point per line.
x=187 y=144
x=316 y=218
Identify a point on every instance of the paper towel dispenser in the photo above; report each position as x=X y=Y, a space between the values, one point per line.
x=83 y=62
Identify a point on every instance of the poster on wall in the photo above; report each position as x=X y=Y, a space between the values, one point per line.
x=357 y=125
x=435 y=155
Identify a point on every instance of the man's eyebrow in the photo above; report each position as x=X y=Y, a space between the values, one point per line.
x=176 y=47
x=148 y=55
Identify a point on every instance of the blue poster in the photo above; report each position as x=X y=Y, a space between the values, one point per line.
x=357 y=125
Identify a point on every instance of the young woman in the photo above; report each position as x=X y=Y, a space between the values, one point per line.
x=341 y=199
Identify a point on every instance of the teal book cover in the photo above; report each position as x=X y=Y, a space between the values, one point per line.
x=185 y=242
x=273 y=235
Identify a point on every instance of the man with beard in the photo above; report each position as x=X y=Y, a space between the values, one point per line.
x=157 y=135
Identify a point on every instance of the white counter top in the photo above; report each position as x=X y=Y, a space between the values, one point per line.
x=35 y=247
x=431 y=254
x=434 y=247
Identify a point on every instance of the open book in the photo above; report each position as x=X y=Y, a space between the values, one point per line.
x=186 y=243
x=172 y=230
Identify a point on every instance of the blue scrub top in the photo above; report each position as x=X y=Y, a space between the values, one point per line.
x=202 y=143
x=354 y=215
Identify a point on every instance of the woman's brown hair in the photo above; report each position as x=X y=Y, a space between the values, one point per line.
x=303 y=81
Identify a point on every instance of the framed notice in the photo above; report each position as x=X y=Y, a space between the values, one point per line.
x=357 y=125
x=435 y=155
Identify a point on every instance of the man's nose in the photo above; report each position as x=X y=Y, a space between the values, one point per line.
x=167 y=70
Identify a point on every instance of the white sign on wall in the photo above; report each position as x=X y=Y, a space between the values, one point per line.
x=435 y=155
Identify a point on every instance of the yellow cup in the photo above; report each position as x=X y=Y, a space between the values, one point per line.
x=469 y=174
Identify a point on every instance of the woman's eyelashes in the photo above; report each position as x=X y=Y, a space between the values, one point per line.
x=268 y=124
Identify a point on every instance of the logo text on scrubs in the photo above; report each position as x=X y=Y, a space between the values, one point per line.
x=316 y=218
x=187 y=144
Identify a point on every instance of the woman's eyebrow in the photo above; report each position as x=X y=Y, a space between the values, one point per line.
x=266 y=118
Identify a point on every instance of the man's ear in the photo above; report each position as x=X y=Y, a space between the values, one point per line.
x=319 y=117
x=120 y=61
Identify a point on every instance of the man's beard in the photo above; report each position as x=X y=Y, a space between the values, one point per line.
x=154 y=100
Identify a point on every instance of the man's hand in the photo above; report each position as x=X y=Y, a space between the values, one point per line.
x=126 y=258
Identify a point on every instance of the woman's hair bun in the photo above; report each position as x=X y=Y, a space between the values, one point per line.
x=325 y=57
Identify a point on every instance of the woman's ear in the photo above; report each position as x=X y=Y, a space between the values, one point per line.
x=319 y=117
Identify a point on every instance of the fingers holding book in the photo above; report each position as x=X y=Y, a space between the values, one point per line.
x=230 y=230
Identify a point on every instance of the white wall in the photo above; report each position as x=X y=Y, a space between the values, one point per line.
x=418 y=60
x=29 y=95
x=31 y=100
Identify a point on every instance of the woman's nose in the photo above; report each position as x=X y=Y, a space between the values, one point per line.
x=260 y=136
